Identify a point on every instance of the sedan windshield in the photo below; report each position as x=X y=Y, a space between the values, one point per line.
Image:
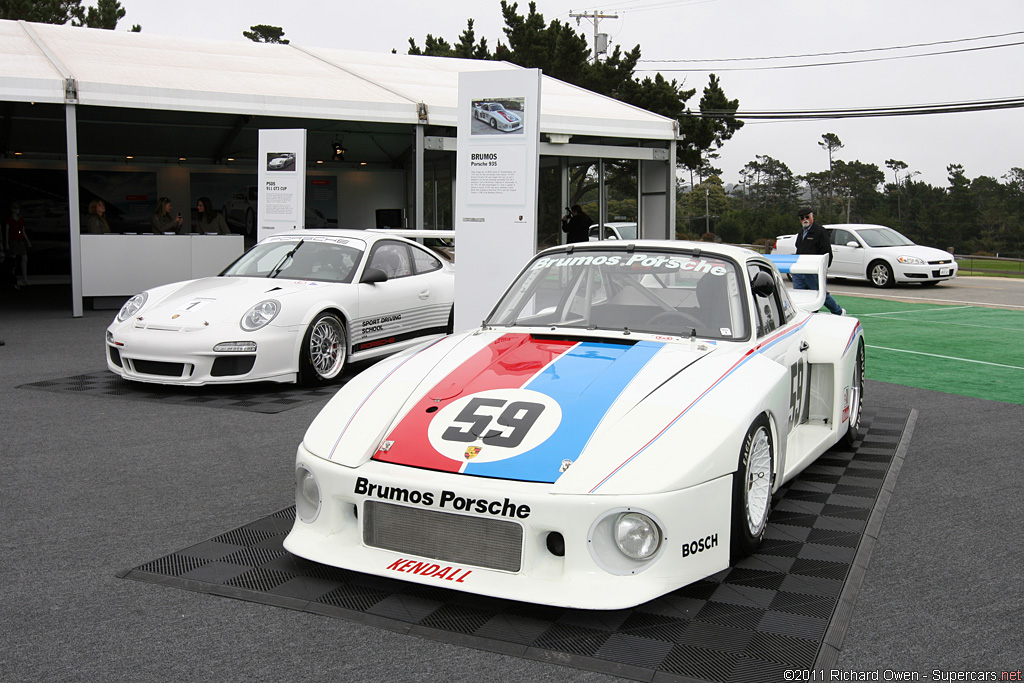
x=883 y=237
x=661 y=292
x=306 y=259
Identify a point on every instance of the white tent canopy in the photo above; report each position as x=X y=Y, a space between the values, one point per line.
x=139 y=70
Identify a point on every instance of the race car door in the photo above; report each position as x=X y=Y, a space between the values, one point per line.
x=781 y=336
x=413 y=302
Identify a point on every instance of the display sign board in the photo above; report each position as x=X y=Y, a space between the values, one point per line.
x=496 y=186
x=281 y=190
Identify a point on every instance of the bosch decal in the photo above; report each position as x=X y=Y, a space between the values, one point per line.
x=700 y=545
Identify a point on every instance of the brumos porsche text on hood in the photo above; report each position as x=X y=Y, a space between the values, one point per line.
x=447 y=500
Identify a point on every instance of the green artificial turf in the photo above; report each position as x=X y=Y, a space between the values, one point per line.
x=963 y=350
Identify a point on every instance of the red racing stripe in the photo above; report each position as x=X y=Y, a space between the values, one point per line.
x=506 y=363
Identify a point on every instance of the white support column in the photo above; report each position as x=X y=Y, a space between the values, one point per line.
x=419 y=177
x=74 y=215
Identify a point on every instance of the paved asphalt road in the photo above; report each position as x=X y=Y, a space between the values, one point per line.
x=994 y=292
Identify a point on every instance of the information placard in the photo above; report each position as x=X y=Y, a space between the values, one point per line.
x=281 y=190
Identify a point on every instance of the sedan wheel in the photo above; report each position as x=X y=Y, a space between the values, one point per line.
x=324 y=350
x=881 y=274
x=752 y=489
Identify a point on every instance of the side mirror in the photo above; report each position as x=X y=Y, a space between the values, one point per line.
x=762 y=284
x=853 y=243
x=372 y=276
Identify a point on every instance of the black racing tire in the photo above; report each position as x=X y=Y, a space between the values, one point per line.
x=752 y=489
x=493 y=122
x=324 y=350
x=880 y=274
x=856 y=399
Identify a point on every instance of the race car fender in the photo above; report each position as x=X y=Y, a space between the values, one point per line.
x=683 y=437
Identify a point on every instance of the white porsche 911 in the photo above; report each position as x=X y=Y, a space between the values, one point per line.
x=614 y=430
x=294 y=308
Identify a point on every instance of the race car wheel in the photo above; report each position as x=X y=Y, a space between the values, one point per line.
x=493 y=122
x=880 y=274
x=752 y=489
x=324 y=350
x=856 y=398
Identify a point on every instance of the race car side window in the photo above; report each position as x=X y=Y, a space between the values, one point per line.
x=391 y=257
x=767 y=309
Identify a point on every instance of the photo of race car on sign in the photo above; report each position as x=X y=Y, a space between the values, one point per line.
x=614 y=429
x=499 y=115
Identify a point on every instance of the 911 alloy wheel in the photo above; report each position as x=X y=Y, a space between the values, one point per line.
x=324 y=350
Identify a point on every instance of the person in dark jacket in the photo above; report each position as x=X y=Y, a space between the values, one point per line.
x=813 y=239
x=576 y=224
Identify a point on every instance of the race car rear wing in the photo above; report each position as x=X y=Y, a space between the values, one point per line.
x=810 y=300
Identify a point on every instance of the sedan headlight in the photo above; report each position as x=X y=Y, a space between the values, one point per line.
x=132 y=306
x=637 y=535
x=911 y=260
x=260 y=315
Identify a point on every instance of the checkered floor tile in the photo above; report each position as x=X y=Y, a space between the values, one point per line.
x=776 y=610
x=262 y=397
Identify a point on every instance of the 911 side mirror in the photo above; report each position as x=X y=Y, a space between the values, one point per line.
x=373 y=276
x=762 y=284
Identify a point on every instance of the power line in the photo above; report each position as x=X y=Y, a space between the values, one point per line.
x=840 y=52
x=839 y=63
x=866 y=112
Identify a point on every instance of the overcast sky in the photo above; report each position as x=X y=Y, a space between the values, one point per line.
x=984 y=143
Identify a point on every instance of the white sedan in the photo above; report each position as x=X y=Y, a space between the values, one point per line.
x=614 y=430
x=879 y=255
x=294 y=308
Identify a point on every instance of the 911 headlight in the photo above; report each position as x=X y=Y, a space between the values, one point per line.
x=260 y=315
x=911 y=260
x=307 y=495
x=132 y=306
x=637 y=535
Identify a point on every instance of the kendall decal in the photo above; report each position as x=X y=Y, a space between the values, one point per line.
x=432 y=570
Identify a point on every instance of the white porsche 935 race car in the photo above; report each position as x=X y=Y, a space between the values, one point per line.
x=615 y=429
x=295 y=307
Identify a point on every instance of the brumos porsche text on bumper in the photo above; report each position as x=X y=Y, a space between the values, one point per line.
x=446 y=500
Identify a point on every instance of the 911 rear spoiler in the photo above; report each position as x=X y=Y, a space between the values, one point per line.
x=810 y=300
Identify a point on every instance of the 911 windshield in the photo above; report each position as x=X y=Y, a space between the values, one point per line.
x=306 y=259
x=660 y=292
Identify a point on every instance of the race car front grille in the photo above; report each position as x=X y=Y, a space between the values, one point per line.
x=459 y=539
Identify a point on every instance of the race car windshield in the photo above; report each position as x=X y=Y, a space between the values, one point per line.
x=314 y=260
x=659 y=292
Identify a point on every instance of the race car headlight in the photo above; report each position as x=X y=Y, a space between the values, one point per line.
x=637 y=535
x=626 y=541
x=132 y=306
x=911 y=260
x=260 y=315
x=307 y=495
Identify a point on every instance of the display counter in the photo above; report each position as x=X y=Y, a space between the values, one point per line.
x=117 y=265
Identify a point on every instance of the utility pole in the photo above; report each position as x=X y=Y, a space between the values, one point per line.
x=600 y=39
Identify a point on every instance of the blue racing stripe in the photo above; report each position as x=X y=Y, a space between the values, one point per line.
x=783 y=261
x=585 y=382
